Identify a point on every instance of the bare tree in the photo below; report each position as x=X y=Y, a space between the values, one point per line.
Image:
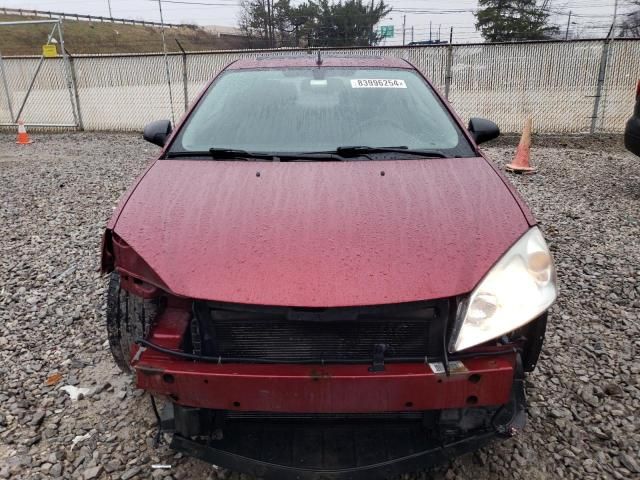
x=630 y=26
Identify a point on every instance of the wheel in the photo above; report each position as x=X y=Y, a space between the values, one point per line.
x=129 y=317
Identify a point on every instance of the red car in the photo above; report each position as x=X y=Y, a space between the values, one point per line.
x=324 y=277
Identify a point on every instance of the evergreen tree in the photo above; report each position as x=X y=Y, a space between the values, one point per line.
x=313 y=23
x=348 y=23
x=514 y=20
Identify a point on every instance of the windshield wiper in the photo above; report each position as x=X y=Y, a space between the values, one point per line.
x=339 y=154
x=221 y=154
x=358 y=150
x=275 y=156
x=231 y=153
x=228 y=153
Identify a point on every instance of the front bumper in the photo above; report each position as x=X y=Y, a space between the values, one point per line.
x=484 y=380
x=318 y=421
x=329 y=388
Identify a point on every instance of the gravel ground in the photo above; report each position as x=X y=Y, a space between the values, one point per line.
x=57 y=195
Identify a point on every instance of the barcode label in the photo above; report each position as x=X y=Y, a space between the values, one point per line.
x=377 y=83
x=455 y=366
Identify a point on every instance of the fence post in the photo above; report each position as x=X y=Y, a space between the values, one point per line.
x=71 y=81
x=6 y=88
x=74 y=82
x=447 y=77
x=184 y=76
x=602 y=74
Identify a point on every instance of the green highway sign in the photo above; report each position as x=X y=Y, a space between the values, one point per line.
x=386 y=31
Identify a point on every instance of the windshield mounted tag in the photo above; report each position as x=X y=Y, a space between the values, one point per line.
x=377 y=83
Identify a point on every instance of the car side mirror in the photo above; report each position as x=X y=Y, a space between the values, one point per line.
x=157 y=132
x=483 y=130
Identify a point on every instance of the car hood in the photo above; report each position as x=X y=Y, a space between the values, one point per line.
x=321 y=234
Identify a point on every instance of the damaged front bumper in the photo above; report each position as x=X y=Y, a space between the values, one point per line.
x=331 y=421
x=340 y=447
x=473 y=380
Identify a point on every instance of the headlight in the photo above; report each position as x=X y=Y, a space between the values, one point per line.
x=516 y=290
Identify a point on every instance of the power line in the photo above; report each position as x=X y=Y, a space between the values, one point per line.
x=206 y=4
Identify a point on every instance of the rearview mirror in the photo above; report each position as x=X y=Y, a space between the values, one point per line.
x=483 y=130
x=157 y=132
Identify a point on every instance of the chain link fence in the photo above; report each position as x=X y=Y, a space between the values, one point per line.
x=48 y=101
x=555 y=83
x=622 y=73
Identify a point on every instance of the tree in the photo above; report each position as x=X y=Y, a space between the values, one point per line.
x=514 y=20
x=313 y=23
x=304 y=22
x=264 y=20
x=348 y=23
x=630 y=26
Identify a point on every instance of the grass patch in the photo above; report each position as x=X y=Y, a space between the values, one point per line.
x=98 y=37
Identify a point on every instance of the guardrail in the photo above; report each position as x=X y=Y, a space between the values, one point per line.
x=75 y=16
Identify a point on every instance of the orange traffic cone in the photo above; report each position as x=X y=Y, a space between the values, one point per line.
x=23 y=136
x=520 y=163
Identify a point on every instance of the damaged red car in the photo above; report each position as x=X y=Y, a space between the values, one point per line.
x=322 y=276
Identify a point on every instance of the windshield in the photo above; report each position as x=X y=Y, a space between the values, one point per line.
x=319 y=110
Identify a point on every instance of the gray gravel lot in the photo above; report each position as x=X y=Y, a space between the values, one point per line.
x=57 y=195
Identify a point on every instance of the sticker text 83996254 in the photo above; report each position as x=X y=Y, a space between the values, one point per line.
x=377 y=83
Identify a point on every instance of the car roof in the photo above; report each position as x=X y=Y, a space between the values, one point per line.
x=310 y=60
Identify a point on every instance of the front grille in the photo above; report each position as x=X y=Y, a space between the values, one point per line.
x=334 y=334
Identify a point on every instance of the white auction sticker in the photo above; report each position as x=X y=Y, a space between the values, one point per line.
x=377 y=83
x=455 y=366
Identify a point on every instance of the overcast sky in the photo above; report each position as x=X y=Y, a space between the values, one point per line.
x=591 y=17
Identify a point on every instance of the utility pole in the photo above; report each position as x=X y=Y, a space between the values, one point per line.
x=404 y=23
x=109 y=3
x=411 y=33
x=429 y=31
x=451 y=36
x=566 y=35
x=439 y=27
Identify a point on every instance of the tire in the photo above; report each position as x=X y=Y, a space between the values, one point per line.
x=129 y=317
